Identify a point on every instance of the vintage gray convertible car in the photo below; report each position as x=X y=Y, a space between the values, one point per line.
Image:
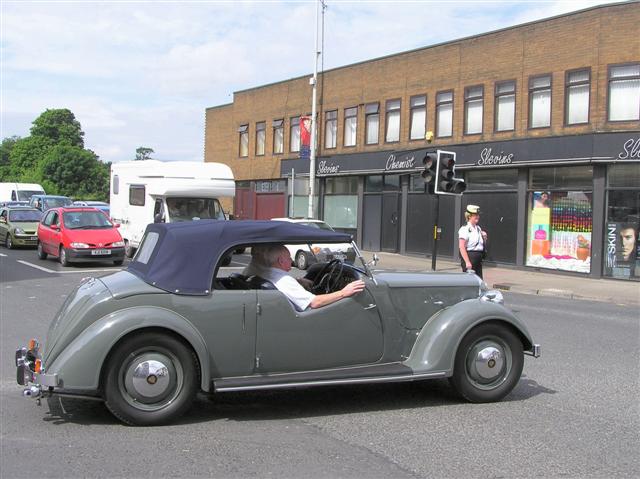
x=148 y=339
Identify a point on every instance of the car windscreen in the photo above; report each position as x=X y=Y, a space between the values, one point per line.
x=25 y=195
x=189 y=209
x=85 y=220
x=25 y=216
x=56 y=202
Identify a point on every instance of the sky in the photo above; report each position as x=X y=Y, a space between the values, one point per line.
x=142 y=73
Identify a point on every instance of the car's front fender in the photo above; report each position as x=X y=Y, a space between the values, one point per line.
x=436 y=345
x=79 y=366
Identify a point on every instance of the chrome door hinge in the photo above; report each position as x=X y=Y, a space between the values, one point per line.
x=259 y=308
x=257 y=362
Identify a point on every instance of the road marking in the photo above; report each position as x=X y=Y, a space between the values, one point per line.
x=2 y=254
x=53 y=271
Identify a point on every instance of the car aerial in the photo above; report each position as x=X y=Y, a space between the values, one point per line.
x=19 y=226
x=147 y=339
x=79 y=234
x=101 y=205
x=304 y=255
x=45 y=202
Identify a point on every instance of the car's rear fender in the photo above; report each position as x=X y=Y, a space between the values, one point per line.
x=436 y=345
x=79 y=366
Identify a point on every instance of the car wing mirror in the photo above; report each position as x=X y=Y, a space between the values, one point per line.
x=55 y=227
x=374 y=260
x=158 y=218
x=116 y=225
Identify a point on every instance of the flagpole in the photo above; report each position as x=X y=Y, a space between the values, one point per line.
x=312 y=153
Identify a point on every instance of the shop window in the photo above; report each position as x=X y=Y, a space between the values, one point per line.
x=294 y=134
x=260 y=137
x=330 y=128
x=299 y=203
x=371 y=123
x=243 y=148
x=560 y=218
x=391 y=183
x=540 y=101
x=473 y=109
x=487 y=180
x=578 y=85
x=505 y=115
x=373 y=184
x=444 y=114
x=278 y=136
x=341 y=202
x=392 y=121
x=342 y=185
x=624 y=92
x=622 y=228
x=418 y=121
x=350 y=126
x=416 y=183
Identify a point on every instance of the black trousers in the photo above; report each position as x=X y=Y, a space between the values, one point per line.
x=476 y=262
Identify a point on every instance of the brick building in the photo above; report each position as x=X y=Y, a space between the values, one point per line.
x=544 y=118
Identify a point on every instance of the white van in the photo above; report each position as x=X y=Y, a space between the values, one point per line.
x=19 y=191
x=149 y=191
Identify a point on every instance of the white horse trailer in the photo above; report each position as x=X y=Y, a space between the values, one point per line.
x=149 y=191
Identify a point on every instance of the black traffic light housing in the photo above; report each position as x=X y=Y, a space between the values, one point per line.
x=429 y=173
x=446 y=182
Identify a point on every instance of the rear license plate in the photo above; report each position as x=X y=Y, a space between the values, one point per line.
x=97 y=252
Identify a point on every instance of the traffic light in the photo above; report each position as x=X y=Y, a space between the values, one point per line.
x=446 y=182
x=430 y=163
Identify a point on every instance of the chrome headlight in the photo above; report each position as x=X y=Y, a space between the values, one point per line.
x=492 y=296
x=19 y=231
x=80 y=245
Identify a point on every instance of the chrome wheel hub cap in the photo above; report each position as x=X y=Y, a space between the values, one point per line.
x=488 y=363
x=151 y=379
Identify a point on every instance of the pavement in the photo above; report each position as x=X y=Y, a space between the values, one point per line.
x=526 y=281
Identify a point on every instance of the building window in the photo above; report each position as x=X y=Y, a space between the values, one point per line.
x=505 y=106
x=444 y=113
x=418 y=121
x=372 y=123
x=473 y=109
x=136 y=195
x=540 y=102
x=392 y=121
x=244 y=140
x=278 y=136
x=624 y=92
x=341 y=202
x=294 y=136
x=260 y=137
x=578 y=84
x=330 y=128
x=350 y=126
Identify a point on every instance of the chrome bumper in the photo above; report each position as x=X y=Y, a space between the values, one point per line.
x=28 y=371
x=534 y=351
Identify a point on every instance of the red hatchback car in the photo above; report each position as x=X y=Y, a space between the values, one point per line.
x=79 y=234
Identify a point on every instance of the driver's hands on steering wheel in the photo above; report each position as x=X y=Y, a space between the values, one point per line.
x=352 y=288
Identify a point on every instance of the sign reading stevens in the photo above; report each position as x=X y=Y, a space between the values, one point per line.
x=630 y=150
x=488 y=158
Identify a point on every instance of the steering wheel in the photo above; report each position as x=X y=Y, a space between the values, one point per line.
x=328 y=277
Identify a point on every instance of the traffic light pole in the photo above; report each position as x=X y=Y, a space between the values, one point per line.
x=434 y=253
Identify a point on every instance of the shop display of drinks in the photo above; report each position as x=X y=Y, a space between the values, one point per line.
x=571 y=224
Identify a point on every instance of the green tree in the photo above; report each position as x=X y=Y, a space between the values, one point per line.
x=143 y=153
x=5 y=150
x=25 y=156
x=59 y=125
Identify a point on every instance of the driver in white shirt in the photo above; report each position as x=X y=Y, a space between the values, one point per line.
x=273 y=262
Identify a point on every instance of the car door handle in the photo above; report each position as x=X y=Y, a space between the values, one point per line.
x=371 y=306
x=438 y=302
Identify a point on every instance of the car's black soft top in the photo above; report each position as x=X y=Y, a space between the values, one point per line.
x=181 y=257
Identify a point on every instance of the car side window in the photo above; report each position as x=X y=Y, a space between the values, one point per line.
x=47 y=219
x=3 y=214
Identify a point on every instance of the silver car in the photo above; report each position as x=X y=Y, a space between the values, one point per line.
x=148 y=339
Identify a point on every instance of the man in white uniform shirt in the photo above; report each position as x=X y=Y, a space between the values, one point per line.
x=273 y=262
x=471 y=241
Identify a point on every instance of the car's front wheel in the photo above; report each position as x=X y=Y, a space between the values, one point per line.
x=302 y=260
x=41 y=253
x=150 y=379
x=8 y=242
x=129 y=251
x=488 y=363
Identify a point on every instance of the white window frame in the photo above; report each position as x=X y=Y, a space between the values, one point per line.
x=261 y=138
x=243 y=141
x=473 y=106
x=577 y=96
x=372 y=116
x=278 y=136
x=624 y=92
x=505 y=98
x=331 y=129
x=351 y=126
x=444 y=113
x=392 y=120
x=418 y=117
x=540 y=101
x=294 y=134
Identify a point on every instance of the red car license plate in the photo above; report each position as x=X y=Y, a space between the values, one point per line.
x=97 y=252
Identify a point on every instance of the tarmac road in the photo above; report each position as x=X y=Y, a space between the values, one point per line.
x=574 y=413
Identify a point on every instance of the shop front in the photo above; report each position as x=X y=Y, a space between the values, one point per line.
x=569 y=204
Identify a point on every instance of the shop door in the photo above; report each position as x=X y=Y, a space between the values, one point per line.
x=242 y=208
x=270 y=205
x=499 y=217
x=372 y=211
x=390 y=222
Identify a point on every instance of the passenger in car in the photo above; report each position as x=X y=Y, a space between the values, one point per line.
x=273 y=262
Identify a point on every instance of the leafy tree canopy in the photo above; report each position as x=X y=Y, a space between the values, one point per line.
x=25 y=155
x=143 y=153
x=60 y=126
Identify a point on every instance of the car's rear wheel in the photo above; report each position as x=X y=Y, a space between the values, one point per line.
x=41 y=253
x=150 y=379
x=488 y=363
x=8 y=242
x=302 y=260
x=63 y=257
